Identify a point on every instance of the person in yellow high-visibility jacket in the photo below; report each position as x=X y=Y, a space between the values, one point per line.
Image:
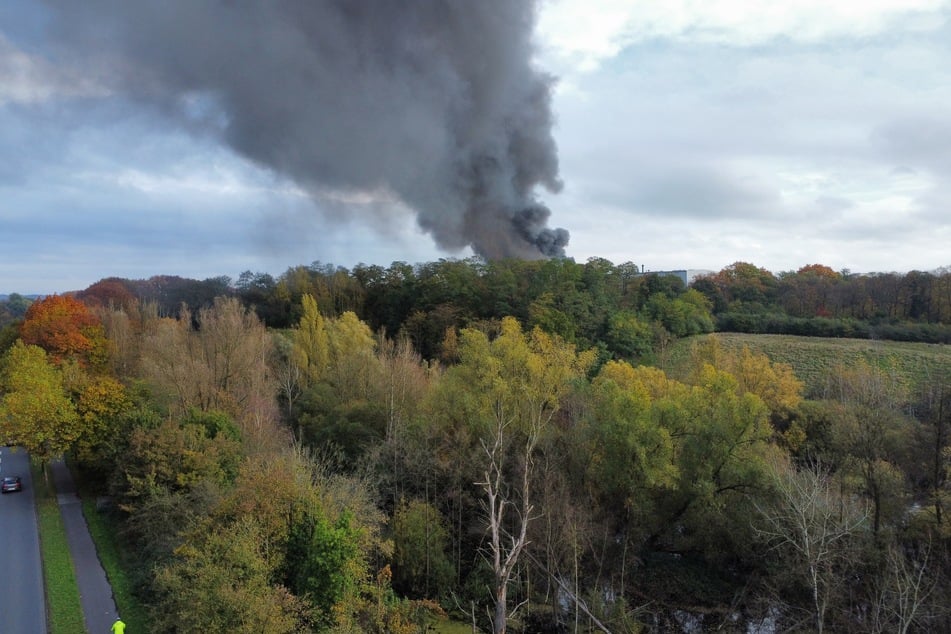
x=118 y=627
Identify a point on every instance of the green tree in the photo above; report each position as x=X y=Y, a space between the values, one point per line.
x=721 y=443
x=743 y=283
x=545 y=314
x=569 y=300
x=628 y=337
x=421 y=567
x=872 y=434
x=682 y=316
x=631 y=456
x=934 y=440
x=221 y=581
x=177 y=456
x=629 y=463
x=508 y=390
x=319 y=529
x=455 y=283
x=507 y=284
x=9 y=334
x=17 y=305
x=35 y=411
x=427 y=329
x=347 y=407
x=324 y=561
x=260 y=292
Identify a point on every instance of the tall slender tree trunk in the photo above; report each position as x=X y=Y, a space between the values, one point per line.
x=817 y=603
x=500 y=618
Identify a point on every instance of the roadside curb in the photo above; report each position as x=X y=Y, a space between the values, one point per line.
x=39 y=541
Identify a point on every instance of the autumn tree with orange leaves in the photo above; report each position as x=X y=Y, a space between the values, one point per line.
x=810 y=291
x=110 y=292
x=65 y=328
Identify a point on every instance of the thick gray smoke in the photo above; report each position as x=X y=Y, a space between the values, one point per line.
x=435 y=102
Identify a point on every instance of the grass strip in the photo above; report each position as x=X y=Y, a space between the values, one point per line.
x=104 y=536
x=450 y=627
x=64 y=610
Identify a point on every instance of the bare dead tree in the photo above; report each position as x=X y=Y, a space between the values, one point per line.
x=905 y=592
x=287 y=374
x=523 y=379
x=501 y=509
x=811 y=522
x=573 y=595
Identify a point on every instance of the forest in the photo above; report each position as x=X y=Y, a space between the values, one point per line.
x=498 y=445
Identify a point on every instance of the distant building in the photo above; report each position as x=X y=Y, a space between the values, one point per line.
x=687 y=276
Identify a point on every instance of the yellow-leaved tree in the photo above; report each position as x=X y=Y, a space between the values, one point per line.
x=353 y=360
x=311 y=346
x=507 y=390
x=101 y=402
x=775 y=383
x=35 y=411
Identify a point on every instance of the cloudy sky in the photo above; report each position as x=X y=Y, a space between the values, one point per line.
x=690 y=134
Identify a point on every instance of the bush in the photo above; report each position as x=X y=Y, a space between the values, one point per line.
x=782 y=324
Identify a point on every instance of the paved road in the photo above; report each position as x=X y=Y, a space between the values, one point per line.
x=22 y=599
x=95 y=593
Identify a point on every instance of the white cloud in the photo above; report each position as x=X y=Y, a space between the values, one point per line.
x=213 y=180
x=690 y=153
x=582 y=34
x=27 y=79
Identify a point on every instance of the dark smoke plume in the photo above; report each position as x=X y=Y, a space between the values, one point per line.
x=435 y=102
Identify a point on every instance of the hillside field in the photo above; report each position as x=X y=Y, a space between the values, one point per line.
x=812 y=358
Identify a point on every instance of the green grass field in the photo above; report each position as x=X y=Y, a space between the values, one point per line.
x=812 y=358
